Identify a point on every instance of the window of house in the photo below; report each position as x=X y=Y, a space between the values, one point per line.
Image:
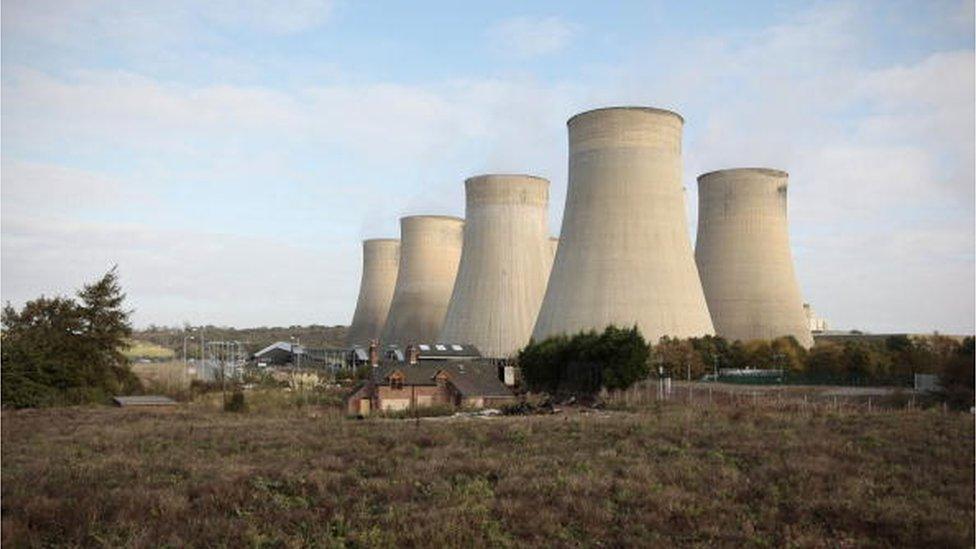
x=396 y=383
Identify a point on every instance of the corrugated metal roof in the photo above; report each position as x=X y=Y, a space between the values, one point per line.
x=144 y=400
x=441 y=350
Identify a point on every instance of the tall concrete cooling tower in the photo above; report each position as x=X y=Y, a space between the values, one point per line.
x=381 y=257
x=504 y=265
x=743 y=255
x=624 y=255
x=430 y=249
x=553 y=245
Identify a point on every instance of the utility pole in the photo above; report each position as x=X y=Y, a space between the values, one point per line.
x=186 y=365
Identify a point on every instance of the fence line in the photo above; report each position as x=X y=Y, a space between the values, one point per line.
x=786 y=399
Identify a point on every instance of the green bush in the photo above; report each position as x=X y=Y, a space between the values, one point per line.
x=585 y=363
x=236 y=403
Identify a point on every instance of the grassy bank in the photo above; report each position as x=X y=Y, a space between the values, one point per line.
x=663 y=474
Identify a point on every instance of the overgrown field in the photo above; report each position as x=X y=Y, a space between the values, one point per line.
x=662 y=475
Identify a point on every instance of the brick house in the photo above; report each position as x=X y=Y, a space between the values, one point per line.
x=400 y=386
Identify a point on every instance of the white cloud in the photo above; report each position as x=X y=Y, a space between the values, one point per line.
x=531 y=36
x=176 y=275
x=33 y=187
x=273 y=16
x=136 y=24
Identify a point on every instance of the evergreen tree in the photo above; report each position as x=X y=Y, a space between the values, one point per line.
x=62 y=351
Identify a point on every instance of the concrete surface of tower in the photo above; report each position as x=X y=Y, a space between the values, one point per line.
x=553 y=246
x=504 y=265
x=381 y=258
x=624 y=254
x=744 y=258
x=430 y=249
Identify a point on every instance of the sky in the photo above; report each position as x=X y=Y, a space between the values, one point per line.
x=229 y=156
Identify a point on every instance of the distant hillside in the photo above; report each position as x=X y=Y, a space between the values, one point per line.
x=314 y=336
x=141 y=349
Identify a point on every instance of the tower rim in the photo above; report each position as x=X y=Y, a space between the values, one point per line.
x=756 y=169
x=655 y=110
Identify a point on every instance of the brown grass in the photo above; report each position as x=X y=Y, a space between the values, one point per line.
x=665 y=474
x=164 y=378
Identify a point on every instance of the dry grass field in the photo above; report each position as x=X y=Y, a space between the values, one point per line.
x=656 y=475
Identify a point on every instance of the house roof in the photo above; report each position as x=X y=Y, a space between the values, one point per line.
x=469 y=378
x=279 y=346
x=361 y=353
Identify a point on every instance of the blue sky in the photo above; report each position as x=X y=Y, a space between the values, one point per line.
x=229 y=156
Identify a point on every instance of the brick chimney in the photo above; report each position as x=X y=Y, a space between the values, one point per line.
x=374 y=352
x=413 y=354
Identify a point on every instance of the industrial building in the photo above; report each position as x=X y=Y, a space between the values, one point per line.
x=744 y=258
x=504 y=264
x=293 y=355
x=430 y=250
x=381 y=258
x=816 y=323
x=624 y=256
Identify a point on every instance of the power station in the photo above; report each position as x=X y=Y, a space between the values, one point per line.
x=624 y=255
x=496 y=279
x=381 y=258
x=743 y=255
x=504 y=264
x=430 y=249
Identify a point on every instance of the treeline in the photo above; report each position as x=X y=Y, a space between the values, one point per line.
x=254 y=339
x=858 y=360
x=587 y=362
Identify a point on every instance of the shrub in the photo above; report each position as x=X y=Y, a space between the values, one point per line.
x=957 y=377
x=585 y=363
x=236 y=403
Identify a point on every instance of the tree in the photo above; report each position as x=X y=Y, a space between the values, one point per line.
x=825 y=359
x=679 y=358
x=583 y=364
x=957 y=377
x=622 y=355
x=715 y=352
x=62 y=351
x=788 y=354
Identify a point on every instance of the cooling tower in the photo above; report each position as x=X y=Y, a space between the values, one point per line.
x=430 y=248
x=624 y=256
x=553 y=244
x=381 y=256
x=743 y=256
x=504 y=265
